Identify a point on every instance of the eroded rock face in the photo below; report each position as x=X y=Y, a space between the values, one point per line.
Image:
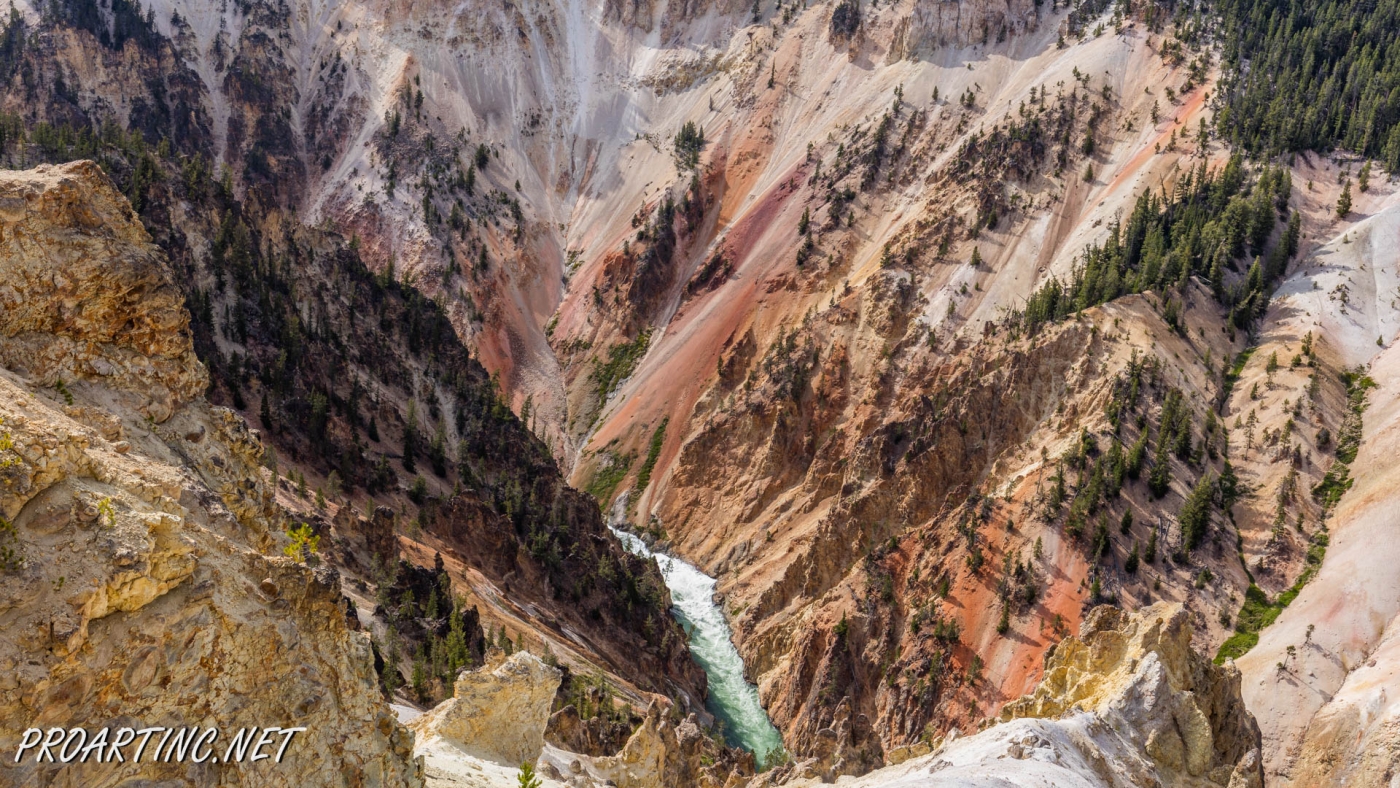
x=1127 y=703
x=498 y=712
x=365 y=546
x=1138 y=673
x=937 y=23
x=84 y=294
x=141 y=583
x=596 y=735
x=663 y=751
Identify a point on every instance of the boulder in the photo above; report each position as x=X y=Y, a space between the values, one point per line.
x=498 y=712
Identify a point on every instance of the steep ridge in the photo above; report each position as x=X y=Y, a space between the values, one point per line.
x=137 y=587
x=758 y=410
x=824 y=372
x=358 y=379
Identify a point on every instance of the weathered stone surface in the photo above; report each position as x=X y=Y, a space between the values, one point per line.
x=84 y=294
x=1125 y=704
x=666 y=751
x=142 y=583
x=938 y=23
x=498 y=712
x=597 y=735
x=364 y=545
x=1138 y=672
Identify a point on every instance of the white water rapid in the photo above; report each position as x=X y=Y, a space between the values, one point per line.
x=732 y=698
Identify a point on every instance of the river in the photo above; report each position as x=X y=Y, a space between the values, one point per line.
x=732 y=698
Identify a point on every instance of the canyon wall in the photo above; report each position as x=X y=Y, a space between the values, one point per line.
x=792 y=332
x=138 y=588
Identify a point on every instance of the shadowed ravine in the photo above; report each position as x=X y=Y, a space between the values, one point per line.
x=732 y=698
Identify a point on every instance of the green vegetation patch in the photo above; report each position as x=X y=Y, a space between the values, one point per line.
x=1337 y=481
x=1316 y=75
x=622 y=359
x=1338 y=478
x=1233 y=376
x=609 y=475
x=1259 y=612
x=690 y=140
x=653 y=453
x=1207 y=222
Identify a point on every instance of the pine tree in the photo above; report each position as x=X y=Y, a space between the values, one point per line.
x=1101 y=541
x=1227 y=487
x=410 y=463
x=1136 y=456
x=437 y=452
x=1195 y=512
x=391 y=678
x=420 y=678
x=1344 y=202
x=1160 y=478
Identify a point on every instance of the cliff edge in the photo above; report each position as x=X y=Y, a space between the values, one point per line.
x=141 y=583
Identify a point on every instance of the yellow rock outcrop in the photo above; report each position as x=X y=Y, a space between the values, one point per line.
x=136 y=586
x=498 y=712
x=84 y=294
x=1138 y=671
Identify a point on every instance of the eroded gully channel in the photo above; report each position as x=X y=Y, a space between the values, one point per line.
x=732 y=698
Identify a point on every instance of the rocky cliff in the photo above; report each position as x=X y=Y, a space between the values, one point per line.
x=141 y=584
x=1138 y=672
x=357 y=377
x=497 y=712
x=1126 y=703
x=86 y=296
x=496 y=720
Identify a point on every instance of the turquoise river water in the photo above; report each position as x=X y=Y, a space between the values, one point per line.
x=732 y=698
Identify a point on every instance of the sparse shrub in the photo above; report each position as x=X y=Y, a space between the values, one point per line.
x=305 y=543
